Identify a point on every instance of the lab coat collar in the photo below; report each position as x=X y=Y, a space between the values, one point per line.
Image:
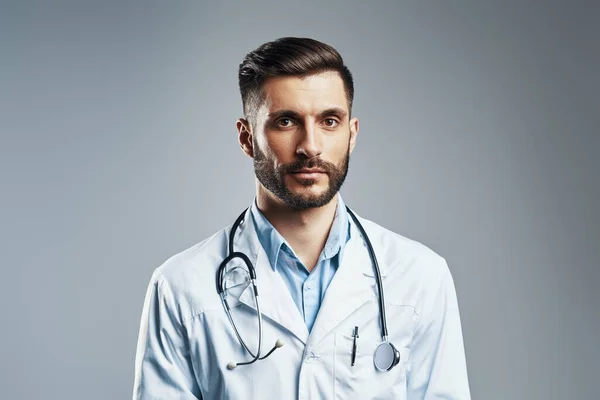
x=270 y=239
x=276 y=302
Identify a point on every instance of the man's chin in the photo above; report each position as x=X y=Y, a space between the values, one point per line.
x=304 y=199
x=313 y=191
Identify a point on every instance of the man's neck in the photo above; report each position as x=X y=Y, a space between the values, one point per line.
x=306 y=231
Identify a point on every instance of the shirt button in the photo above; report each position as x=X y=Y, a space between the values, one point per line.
x=308 y=286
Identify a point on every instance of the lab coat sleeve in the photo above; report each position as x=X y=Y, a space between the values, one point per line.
x=438 y=367
x=163 y=369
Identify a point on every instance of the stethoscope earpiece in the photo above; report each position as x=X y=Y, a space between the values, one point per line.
x=231 y=365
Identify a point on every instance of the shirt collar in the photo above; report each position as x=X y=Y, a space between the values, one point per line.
x=273 y=242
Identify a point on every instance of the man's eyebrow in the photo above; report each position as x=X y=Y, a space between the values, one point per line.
x=283 y=113
x=335 y=111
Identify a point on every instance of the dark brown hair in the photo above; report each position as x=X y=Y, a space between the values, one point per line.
x=287 y=56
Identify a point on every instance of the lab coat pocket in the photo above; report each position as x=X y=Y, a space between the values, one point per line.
x=362 y=380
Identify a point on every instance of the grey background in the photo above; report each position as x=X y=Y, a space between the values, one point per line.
x=479 y=137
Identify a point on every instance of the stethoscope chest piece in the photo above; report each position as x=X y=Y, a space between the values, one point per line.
x=386 y=356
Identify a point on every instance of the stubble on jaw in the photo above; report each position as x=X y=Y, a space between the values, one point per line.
x=273 y=178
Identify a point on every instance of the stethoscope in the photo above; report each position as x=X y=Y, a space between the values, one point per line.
x=386 y=355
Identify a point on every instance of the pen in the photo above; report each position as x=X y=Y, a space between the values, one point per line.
x=354 y=335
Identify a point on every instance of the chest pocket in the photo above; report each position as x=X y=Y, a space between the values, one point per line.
x=362 y=380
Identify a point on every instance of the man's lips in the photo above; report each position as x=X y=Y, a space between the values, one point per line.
x=308 y=171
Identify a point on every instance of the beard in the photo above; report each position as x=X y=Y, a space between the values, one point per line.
x=273 y=178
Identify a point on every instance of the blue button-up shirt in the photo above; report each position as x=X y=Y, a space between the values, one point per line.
x=307 y=288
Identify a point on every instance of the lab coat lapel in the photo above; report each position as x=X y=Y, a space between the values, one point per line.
x=353 y=284
x=276 y=302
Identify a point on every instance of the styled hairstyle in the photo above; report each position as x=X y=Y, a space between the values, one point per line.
x=287 y=56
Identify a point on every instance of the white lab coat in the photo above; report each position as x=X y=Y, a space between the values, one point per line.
x=186 y=340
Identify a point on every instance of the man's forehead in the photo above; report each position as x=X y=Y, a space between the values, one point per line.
x=312 y=92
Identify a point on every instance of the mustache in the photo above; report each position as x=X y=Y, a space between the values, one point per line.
x=310 y=163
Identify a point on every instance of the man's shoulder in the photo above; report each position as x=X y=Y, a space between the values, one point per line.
x=391 y=241
x=403 y=254
x=195 y=259
x=190 y=275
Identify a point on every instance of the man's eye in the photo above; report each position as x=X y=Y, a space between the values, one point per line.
x=284 y=123
x=331 y=122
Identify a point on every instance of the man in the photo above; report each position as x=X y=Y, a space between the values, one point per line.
x=318 y=286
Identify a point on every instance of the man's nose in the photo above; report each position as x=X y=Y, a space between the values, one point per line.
x=310 y=144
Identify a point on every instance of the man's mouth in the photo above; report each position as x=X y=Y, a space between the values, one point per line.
x=308 y=171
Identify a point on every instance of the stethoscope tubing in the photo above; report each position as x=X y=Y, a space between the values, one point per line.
x=384 y=331
x=233 y=254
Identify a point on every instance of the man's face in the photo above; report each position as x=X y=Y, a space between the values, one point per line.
x=303 y=138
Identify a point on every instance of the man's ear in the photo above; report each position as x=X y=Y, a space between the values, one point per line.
x=245 y=136
x=353 y=133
